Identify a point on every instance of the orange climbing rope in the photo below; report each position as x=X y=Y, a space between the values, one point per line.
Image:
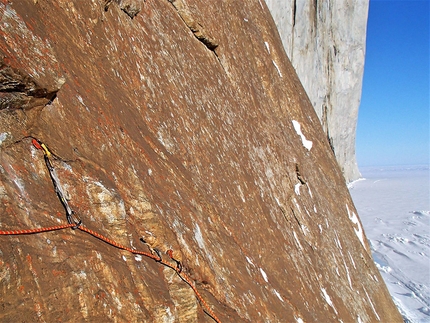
x=157 y=258
x=75 y=223
x=37 y=230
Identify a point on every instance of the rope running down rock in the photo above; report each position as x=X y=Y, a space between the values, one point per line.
x=75 y=223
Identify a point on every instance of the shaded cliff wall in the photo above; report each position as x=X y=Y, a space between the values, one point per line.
x=325 y=41
x=182 y=123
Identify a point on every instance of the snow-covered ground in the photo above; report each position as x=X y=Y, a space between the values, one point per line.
x=394 y=207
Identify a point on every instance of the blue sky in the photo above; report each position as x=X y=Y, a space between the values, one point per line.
x=393 y=121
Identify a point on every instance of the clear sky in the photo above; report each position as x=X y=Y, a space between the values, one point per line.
x=393 y=121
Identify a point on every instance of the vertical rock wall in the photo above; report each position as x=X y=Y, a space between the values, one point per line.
x=177 y=128
x=325 y=41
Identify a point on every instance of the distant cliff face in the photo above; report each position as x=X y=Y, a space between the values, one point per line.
x=181 y=137
x=325 y=41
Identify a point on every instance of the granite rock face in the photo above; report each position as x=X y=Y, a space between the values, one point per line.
x=325 y=41
x=182 y=123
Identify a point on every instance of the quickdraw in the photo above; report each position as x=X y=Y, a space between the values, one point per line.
x=75 y=223
x=70 y=214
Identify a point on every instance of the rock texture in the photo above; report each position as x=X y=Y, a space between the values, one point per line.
x=325 y=41
x=182 y=123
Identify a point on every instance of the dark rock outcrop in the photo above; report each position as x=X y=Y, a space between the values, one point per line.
x=214 y=152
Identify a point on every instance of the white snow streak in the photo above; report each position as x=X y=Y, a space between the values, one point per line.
x=297 y=188
x=306 y=143
x=278 y=295
x=347 y=273
x=263 y=273
x=277 y=68
x=267 y=46
x=249 y=261
x=359 y=231
x=373 y=307
x=328 y=299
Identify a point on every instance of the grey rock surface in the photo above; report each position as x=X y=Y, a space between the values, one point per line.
x=325 y=41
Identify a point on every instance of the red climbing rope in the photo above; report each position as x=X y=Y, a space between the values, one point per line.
x=177 y=268
x=37 y=230
x=115 y=244
x=77 y=224
x=111 y=242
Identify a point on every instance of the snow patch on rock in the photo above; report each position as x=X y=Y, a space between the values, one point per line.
x=306 y=143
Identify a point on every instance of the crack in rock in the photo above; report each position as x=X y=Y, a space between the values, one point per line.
x=195 y=27
x=18 y=91
x=22 y=99
x=299 y=176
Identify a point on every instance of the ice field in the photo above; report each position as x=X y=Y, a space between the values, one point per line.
x=394 y=206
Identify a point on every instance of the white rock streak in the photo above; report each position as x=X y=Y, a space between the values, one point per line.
x=306 y=143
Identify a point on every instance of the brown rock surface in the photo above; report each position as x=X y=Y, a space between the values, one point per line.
x=182 y=122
